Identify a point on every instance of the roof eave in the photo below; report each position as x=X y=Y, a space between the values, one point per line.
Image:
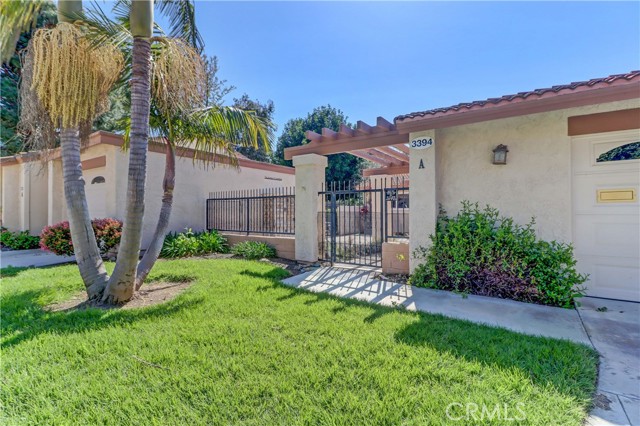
x=527 y=106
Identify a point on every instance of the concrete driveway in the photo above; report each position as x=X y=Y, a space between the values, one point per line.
x=611 y=327
x=614 y=329
x=27 y=258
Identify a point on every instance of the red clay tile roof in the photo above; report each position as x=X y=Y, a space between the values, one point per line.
x=538 y=93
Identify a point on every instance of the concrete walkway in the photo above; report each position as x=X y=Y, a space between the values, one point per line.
x=26 y=258
x=613 y=333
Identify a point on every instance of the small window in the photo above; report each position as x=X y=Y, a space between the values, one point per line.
x=402 y=202
x=630 y=151
x=97 y=179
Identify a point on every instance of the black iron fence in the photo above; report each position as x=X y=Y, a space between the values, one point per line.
x=269 y=211
x=396 y=195
x=355 y=219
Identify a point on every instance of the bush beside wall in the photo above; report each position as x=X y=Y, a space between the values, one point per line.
x=480 y=252
x=22 y=240
x=253 y=250
x=57 y=238
x=189 y=243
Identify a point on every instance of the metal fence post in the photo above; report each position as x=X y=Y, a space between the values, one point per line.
x=334 y=214
x=247 y=216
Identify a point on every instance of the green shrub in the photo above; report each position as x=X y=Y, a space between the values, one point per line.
x=480 y=252
x=18 y=240
x=253 y=250
x=57 y=238
x=189 y=243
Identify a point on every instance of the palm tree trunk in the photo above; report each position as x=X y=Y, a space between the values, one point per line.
x=92 y=270
x=122 y=283
x=152 y=253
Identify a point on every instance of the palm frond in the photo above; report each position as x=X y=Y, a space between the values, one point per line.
x=16 y=16
x=220 y=129
x=182 y=21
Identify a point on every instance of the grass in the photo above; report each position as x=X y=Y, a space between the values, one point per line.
x=239 y=348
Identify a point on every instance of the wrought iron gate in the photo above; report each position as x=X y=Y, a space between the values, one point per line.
x=355 y=219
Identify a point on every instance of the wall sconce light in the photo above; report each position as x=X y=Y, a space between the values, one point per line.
x=500 y=154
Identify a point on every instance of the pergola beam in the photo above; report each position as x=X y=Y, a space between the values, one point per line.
x=346 y=139
x=402 y=147
x=312 y=136
x=329 y=134
x=399 y=156
x=369 y=155
x=346 y=131
x=392 y=170
x=340 y=144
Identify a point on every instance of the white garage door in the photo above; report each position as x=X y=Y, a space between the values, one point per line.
x=606 y=225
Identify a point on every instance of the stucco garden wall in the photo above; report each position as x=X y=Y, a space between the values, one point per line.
x=42 y=184
x=285 y=246
x=194 y=182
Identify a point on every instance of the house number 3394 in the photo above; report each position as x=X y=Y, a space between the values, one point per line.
x=421 y=143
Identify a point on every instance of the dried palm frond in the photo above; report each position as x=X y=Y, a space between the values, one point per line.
x=71 y=78
x=35 y=123
x=178 y=76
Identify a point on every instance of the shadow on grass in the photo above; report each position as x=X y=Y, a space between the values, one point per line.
x=11 y=271
x=547 y=362
x=23 y=318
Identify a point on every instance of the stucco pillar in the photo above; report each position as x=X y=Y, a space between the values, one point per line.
x=423 y=193
x=309 y=179
x=25 y=195
x=55 y=192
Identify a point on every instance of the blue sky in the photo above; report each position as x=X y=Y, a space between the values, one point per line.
x=391 y=58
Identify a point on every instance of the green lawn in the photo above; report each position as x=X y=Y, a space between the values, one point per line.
x=239 y=348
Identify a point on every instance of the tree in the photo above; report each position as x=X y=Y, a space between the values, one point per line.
x=262 y=151
x=64 y=83
x=342 y=167
x=121 y=284
x=11 y=141
x=216 y=89
x=181 y=84
x=210 y=131
x=68 y=75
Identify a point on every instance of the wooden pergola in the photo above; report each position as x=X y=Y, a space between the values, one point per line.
x=381 y=144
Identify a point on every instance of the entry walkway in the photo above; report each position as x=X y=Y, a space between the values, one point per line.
x=27 y=258
x=613 y=328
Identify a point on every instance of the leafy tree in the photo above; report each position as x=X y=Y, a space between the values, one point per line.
x=342 y=167
x=264 y=111
x=216 y=89
x=116 y=118
x=11 y=142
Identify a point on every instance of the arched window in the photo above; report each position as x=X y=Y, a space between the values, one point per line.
x=630 y=151
x=97 y=179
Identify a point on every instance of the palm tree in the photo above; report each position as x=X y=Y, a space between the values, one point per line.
x=210 y=131
x=216 y=128
x=56 y=57
x=122 y=281
x=178 y=95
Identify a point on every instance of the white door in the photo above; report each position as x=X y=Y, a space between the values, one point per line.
x=606 y=212
x=95 y=189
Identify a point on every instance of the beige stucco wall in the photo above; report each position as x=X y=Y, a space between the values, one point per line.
x=11 y=196
x=193 y=183
x=536 y=180
x=285 y=246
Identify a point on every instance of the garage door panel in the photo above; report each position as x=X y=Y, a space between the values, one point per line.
x=610 y=279
x=614 y=235
x=606 y=233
